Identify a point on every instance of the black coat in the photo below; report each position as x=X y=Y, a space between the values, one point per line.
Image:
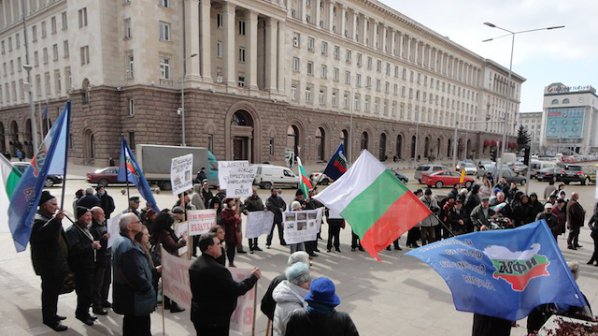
x=89 y=201
x=81 y=253
x=49 y=248
x=268 y=304
x=103 y=255
x=302 y=323
x=107 y=204
x=275 y=204
x=214 y=292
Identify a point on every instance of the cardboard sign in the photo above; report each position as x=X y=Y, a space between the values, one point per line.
x=258 y=223
x=175 y=279
x=200 y=221
x=182 y=230
x=181 y=173
x=300 y=226
x=242 y=319
x=224 y=168
x=113 y=228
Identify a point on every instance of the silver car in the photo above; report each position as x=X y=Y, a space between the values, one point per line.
x=427 y=169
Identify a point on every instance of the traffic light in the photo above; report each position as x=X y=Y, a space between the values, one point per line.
x=493 y=154
x=526 y=153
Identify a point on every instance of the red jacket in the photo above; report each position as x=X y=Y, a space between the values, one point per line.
x=232 y=225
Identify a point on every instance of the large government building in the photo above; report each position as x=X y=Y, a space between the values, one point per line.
x=253 y=79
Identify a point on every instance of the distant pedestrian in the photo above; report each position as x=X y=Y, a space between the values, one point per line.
x=89 y=200
x=575 y=219
x=111 y=162
x=20 y=155
x=201 y=175
x=106 y=201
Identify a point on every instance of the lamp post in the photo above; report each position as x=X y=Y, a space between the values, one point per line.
x=351 y=110
x=27 y=66
x=510 y=90
x=184 y=143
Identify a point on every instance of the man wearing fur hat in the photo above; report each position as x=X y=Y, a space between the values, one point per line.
x=48 y=255
x=82 y=253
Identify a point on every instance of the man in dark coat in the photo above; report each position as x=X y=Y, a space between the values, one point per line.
x=551 y=219
x=48 y=254
x=276 y=204
x=103 y=268
x=575 y=219
x=89 y=200
x=253 y=203
x=201 y=175
x=81 y=258
x=214 y=292
x=106 y=201
x=134 y=203
x=484 y=325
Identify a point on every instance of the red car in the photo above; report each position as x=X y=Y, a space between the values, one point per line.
x=104 y=176
x=445 y=178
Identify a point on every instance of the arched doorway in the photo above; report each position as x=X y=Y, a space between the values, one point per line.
x=14 y=138
x=468 y=150
x=320 y=144
x=344 y=138
x=382 y=147
x=426 y=146
x=449 y=148
x=28 y=139
x=459 y=148
x=364 y=140
x=89 y=146
x=413 y=142
x=2 y=139
x=293 y=139
x=242 y=136
x=399 y=147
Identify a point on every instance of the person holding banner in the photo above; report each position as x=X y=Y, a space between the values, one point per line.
x=214 y=291
x=253 y=203
x=296 y=206
x=232 y=225
x=277 y=206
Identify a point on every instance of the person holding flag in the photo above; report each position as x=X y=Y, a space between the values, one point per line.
x=130 y=172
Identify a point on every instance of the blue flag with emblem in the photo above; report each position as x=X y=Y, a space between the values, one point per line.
x=503 y=273
x=129 y=171
x=337 y=165
x=50 y=158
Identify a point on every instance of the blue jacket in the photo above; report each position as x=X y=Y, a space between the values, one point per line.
x=132 y=290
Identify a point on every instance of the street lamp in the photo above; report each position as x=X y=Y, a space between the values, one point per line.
x=27 y=66
x=510 y=91
x=182 y=110
x=351 y=110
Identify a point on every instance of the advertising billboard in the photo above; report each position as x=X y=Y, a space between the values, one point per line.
x=565 y=123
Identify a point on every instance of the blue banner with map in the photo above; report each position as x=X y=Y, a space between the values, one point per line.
x=503 y=273
x=565 y=123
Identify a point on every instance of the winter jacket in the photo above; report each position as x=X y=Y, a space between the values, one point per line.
x=132 y=289
x=561 y=217
x=197 y=201
x=277 y=206
x=254 y=204
x=289 y=298
x=477 y=216
x=302 y=323
x=552 y=221
x=575 y=215
x=268 y=304
x=523 y=214
x=81 y=253
x=107 y=204
x=433 y=206
x=232 y=225
x=169 y=241
x=48 y=246
x=103 y=254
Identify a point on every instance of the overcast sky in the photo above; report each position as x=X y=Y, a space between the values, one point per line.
x=568 y=55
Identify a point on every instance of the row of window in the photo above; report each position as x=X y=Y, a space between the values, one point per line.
x=556 y=101
x=7 y=44
x=9 y=67
x=15 y=92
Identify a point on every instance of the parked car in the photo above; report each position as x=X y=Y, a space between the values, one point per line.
x=547 y=174
x=445 y=178
x=573 y=173
x=519 y=168
x=427 y=169
x=104 y=176
x=51 y=179
x=267 y=176
x=537 y=165
x=511 y=176
x=485 y=169
x=401 y=177
x=470 y=168
x=483 y=163
x=319 y=178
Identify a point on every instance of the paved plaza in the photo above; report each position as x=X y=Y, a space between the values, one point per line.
x=397 y=296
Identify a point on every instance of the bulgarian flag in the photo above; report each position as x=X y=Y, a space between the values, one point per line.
x=304 y=183
x=9 y=178
x=378 y=206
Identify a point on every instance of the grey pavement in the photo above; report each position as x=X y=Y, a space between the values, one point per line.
x=397 y=296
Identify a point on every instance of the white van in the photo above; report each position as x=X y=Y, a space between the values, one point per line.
x=267 y=176
x=536 y=165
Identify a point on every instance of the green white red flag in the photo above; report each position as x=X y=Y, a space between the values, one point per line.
x=9 y=178
x=378 y=206
x=304 y=183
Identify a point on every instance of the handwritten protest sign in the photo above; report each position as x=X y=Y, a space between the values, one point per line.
x=300 y=226
x=113 y=228
x=181 y=172
x=258 y=223
x=175 y=279
x=200 y=221
x=241 y=322
x=224 y=168
x=182 y=230
x=238 y=177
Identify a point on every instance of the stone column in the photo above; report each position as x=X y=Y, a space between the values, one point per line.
x=343 y=21
x=271 y=52
x=375 y=35
x=192 y=38
x=229 y=44
x=330 y=16
x=384 y=37
x=354 y=32
x=364 y=24
x=280 y=57
x=393 y=36
x=401 y=46
x=206 y=41
x=252 y=39
x=303 y=11
x=318 y=13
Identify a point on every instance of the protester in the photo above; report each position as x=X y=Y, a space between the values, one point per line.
x=311 y=246
x=231 y=221
x=593 y=224
x=133 y=292
x=486 y=188
x=218 y=232
x=78 y=194
x=575 y=219
x=82 y=249
x=103 y=269
x=296 y=206
x=206 y=194
x=523 y=212
x=473 y=198
x=197 y=199
x=253 y=203
x=335 y=223
x=355 y=242
x=550 y=188
x=535 y=204
x=289 y=295
x=481 y=214
x=49 y=257
x=217 y=205
x=89 y=200
x=268 y=305
x=561 y=215
x=414 y=233
x=427 y=226
x=214 y=292
x=320 y=316
x=484 y=325
x=106 y=201
x=551 y=220
x=457 y=219
x=134 y=203
x=276 y=205
x=164 y=235
x=201 y=175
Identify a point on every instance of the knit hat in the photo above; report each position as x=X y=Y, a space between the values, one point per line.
x=548 y=205
x=322 y=291
x=299 y=256
x=81 y=211
x=295 y=205
x=46 y=196
x=297 y=273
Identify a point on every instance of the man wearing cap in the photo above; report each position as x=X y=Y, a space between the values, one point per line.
x=276 y=204
x=133 y=206
x=289 y=295
x=551 y=220
x=457 y=218
x=480 y=215
x=214 y=291
x=82 y=253
x=48 y=256
x=103 y=268
x=320 y=317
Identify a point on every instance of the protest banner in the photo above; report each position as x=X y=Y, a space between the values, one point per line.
x=224 y=168
x=300 y=226
x=181 y=173
x=200 y=221
x=243 y=318
x=258 y=223
x=182 y=230
x=175 y=279
x=113 y=228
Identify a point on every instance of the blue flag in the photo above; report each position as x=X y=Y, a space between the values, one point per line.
x=337 y=165
x=26 y=196
x=129 y=170
x=503 y=273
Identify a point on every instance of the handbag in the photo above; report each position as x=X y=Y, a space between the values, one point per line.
x=68 y=285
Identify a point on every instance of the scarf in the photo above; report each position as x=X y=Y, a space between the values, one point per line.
x=319 y=308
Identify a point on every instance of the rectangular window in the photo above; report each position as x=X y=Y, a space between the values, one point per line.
x=164 y=31
x=311 y=43
x=55 y=52
x=33 y=33
x=241 y=80
x=335 y=97
x=310 y=68
x=294 y=92
x=348 y=56
x=242 y=27
x=368 y=82
x=35 y=59
x=219 y=20
x=19 y=64
x=128 y=28
x=53 y=24
x=369 y=63
x=379 y=66
x=348 y=77
x=45 y=55
x=83 y=17
x=164 y=68
x=296 y=40
x=337 y=52
x=324 y=74
x=18 y=40
x=219 y=49
x=165 y=3
x=242 y=55
x=359 y=59
x=358 y=80
x=44 y=30
x=346 y=100
x=308 y=95
x=9 y=44
x=130 y=66
x=130 y=107
x=47 y=84
x=132 y=142
x=57 y=82
x=336 y=74
x=296 y=64
x=65 y=48
x=67 y=78
x=211 y=142
x=84 y=55
x=3 y=47
x=64 y=21
x=322 y=97
x=324 y=48
x=378 y=85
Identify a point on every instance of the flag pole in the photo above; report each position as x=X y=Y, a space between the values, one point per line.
x=66 y=151
x=254 y=311
x=123 y=149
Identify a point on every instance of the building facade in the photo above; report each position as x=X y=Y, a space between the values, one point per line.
x=252 y=79
x=532 y=121
x=570 y=119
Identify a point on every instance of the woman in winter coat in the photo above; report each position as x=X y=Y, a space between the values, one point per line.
x=523 y=212
x=535 y=204
x=289 y=295
x=231 y=221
